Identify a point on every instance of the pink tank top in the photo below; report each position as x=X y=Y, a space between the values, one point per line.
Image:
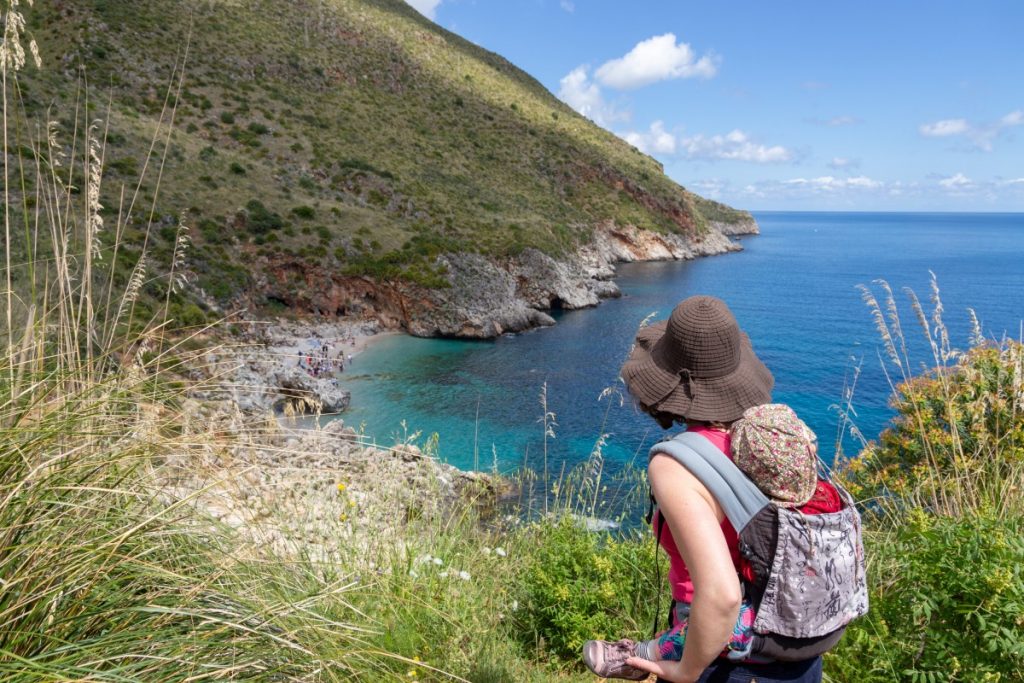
x=678 y=574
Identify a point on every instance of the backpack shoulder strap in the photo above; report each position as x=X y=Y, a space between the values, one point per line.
x=739 y=497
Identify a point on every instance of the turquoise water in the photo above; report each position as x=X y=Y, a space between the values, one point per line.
x=793 y=289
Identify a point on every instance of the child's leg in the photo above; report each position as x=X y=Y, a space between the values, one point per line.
x=742 y=633
x=669 y=644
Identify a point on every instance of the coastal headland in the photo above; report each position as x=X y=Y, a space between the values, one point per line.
x=485 y=297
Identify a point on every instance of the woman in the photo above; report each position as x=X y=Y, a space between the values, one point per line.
x=698 y=368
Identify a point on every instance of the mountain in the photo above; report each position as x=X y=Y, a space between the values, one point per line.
x=350 y=156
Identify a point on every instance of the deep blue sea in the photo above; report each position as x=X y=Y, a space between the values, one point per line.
x=793 y=289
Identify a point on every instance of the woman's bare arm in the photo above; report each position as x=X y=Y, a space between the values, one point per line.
x=694 y=518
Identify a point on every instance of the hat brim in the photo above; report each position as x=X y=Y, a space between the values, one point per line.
x=718 y=399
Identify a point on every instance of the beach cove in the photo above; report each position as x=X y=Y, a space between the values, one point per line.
x=793 y=288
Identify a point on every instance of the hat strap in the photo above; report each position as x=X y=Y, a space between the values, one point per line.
x=691 y=386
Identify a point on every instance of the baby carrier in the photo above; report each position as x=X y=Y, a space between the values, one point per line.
x=809 y=579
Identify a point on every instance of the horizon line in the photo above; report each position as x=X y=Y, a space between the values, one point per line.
x=911 y=211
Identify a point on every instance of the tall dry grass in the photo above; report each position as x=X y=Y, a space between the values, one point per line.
x=956 y=444
x=101 y=576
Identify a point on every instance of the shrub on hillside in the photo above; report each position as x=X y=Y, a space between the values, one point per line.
x=580 y=585
x=947 y=604
x=957 y=437
x=261 y=220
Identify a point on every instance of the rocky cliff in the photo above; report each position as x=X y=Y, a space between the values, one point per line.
x=488 y=296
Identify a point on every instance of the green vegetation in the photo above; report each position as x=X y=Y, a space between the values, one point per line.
x=944 y=514
x=947 y=599
x=107 y=578
x=361 y=108
x=260 y=219
x=580 y=585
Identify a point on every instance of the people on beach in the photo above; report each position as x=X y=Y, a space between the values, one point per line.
x=320 y=362
x=698 y=369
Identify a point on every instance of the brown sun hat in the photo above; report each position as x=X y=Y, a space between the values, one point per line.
x=697 y=364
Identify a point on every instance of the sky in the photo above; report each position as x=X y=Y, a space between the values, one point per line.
x=787 y=105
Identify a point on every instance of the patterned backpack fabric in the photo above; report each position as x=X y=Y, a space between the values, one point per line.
x=809 y=578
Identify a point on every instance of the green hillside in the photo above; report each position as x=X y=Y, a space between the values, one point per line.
x=353 y=135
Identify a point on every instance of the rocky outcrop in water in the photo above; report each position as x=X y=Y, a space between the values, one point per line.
x=488 y=297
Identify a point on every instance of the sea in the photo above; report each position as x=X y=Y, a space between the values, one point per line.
x=796 y=289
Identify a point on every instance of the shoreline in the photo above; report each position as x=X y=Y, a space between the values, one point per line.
x=350 y=338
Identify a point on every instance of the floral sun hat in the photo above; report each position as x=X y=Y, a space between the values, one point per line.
x=778 y=452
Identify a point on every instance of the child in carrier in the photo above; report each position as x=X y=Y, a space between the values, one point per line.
x=778 y=452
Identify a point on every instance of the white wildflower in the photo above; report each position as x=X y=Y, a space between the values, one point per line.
x=464 y=575
x=438 y=561
x=500 y=552
x=414 y=574
x=443 y=575
x=515 y=605
x=485 y=550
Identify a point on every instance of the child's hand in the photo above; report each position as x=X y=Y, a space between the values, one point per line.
x=670 y=671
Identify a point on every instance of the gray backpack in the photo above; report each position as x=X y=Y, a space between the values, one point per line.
x=809 y=575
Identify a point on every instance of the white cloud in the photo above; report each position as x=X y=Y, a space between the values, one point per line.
x=863 y=191
x=835 y=121
x=944 y=128
x=841 y=163
x=567 y=5
x=956 y=182
x=427 y=8
x=711 y=187
x=842 y=121
x=655 y=59
x=981 y=135
x=656 y=140
x=1014 y=118
x=582 y=94
x=831 y=184
x=734 y=146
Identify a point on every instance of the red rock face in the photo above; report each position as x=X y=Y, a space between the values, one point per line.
x=677 y=211
x=310 y=288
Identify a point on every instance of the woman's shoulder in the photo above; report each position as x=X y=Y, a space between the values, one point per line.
x=719 y=437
